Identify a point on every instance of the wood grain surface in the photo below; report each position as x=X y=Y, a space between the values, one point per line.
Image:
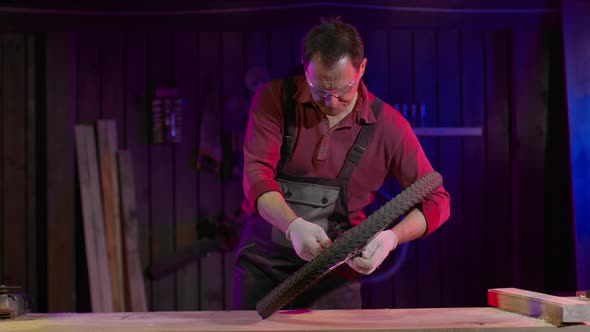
x=414 y=320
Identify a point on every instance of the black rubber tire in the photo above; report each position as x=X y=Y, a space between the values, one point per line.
x=350 y=242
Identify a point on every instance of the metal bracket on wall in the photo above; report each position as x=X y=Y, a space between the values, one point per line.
x=416 y=115
x=448 y=131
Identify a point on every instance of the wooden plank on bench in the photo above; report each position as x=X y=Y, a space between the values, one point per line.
x=553 y=309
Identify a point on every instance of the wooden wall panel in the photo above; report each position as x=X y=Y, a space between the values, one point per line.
x=161 y=161
x=32 y=168
x=235 y=113
x=529 y=134
x=392 y=14
x=210 y=185
x=257 y=50
x=18 y=166
x=451 y=167
x=2 y=255
x=257 y=46
x=14 y=158
x=136 y=140
x=425 y=86
x=281 y=54
x=401 y=75
x=400 y=85
x=498 y=199
x=89 y=94
x=60 y=181
x=480 y=78
x=474 y=164
x=185 y=174
x=112 y=83
x=376 y=79
x=298 y=37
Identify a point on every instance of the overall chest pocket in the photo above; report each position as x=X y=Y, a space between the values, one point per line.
x=312 y=202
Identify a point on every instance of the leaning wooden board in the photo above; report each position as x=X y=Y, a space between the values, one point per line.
x=398 y=320
x=109 y=175
x=92 y=213
x=134 y=284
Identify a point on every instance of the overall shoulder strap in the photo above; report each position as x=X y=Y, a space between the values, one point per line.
x=290 y=122
x=361 y=142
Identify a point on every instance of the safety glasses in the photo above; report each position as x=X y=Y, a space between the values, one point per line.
x=338 y=93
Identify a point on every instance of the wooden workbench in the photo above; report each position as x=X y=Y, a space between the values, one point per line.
x=410 y=320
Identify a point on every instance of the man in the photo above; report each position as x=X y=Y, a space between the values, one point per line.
x=316 y=149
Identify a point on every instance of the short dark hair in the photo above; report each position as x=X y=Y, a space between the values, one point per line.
x=332 y=40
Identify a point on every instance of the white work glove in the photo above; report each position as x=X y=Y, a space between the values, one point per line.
x=374 y=253
x=308 y=239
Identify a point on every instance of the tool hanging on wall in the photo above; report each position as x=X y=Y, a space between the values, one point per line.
x=216 y=234
x=220 y=151
x=236 y=108
x=256 y=76
x=167 y=114
x=208 y=155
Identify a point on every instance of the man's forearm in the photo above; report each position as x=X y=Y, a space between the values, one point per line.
x=273 y=208
x=412 y=227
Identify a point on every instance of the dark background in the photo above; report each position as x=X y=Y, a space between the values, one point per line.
x=498 y=65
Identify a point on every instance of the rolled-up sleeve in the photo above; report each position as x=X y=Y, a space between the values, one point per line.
x=409 y=163
x=262 y=143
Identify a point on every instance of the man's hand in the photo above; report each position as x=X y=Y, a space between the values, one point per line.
x=308 y=239
x=374 y=253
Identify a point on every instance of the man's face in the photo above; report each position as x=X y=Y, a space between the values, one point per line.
x=333 y=88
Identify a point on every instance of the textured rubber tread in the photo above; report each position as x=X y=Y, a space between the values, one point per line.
x=348 y=244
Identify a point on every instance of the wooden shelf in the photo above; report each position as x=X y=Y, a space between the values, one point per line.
x=448 y=131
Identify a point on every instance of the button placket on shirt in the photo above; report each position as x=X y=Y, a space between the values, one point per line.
x=325 y=130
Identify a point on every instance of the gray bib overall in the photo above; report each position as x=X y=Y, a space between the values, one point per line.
x=266 y=257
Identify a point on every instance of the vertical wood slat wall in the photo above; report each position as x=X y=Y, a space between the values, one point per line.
x=20 y=252
x=490 y=79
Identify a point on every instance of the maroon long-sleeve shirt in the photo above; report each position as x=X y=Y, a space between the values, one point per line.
x=320 y=151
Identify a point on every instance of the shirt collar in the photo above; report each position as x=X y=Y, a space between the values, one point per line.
x=362 y=112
